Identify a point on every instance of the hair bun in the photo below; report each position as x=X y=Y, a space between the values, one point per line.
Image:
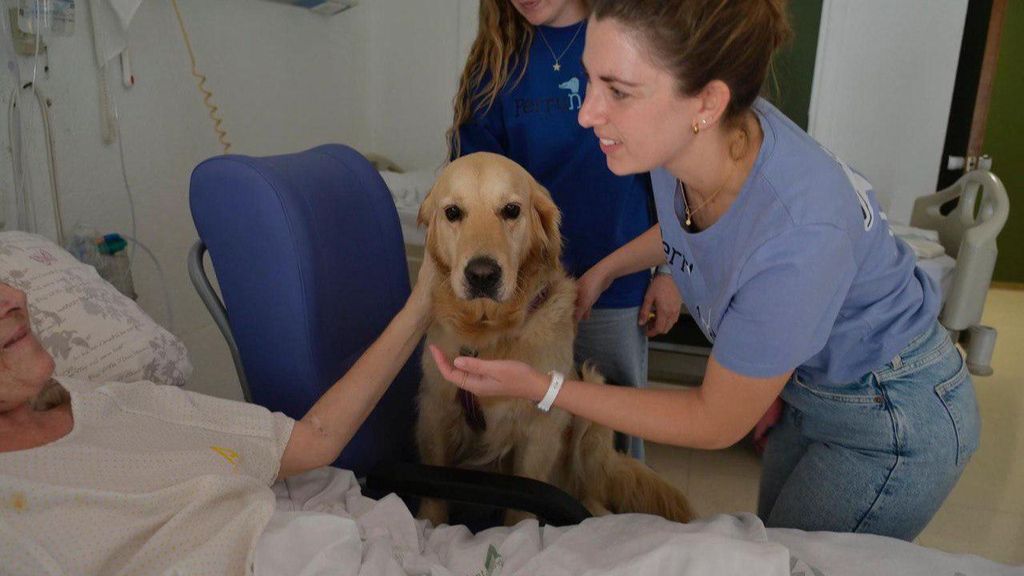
x=783 y=32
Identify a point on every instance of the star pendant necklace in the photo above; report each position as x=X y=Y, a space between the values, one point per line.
x=557 y=66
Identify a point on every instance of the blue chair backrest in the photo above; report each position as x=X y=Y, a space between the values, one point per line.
x=308 y=252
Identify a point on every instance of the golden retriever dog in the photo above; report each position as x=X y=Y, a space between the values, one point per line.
x=502 y=293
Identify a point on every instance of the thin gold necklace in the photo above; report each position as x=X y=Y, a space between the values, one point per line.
x=558 y=66
x=691 y=213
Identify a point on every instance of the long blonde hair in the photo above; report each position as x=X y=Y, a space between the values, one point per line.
x=502 y=44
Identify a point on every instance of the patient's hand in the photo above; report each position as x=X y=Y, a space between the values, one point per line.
x=425 y=282
x=486 y=378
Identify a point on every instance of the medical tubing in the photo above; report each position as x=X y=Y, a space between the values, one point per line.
x=17 y=160
x=38 y=35
x=106 y=116
x=51 y=157
x=222 y=135
x=124 y=176
x=10 y=61
x=163 y=281
x=24 y=217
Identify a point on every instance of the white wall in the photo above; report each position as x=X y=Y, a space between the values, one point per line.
x=417 y=51
x=882 y=89
x=379 y=77
x=284 y=78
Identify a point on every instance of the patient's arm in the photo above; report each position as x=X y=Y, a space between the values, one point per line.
x=323 y=432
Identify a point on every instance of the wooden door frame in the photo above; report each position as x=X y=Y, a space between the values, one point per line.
x=988 y=73
x=972 y=91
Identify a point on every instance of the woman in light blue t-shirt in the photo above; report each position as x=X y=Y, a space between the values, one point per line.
x=783 y=257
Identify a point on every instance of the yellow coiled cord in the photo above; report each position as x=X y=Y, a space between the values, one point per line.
x=222 y=135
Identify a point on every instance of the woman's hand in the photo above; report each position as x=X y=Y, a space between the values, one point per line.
x=589 y=288
x=765 y=424
x=662 y=303
x=487 y=378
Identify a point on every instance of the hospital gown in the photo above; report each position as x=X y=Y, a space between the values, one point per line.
x=151 y=479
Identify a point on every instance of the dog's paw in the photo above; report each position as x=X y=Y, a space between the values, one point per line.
x=590 y=373
x=513 y=517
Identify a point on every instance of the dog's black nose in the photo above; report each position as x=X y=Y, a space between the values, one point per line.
x=483 y=276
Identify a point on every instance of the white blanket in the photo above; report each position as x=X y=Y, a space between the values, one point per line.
x=408 y=189
x=324 y=525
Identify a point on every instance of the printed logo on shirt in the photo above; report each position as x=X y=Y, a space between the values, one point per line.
x=677 y=259
x=673 y=255
x=705 y=321
x=861 y=187
x=567 y=103
x=228 y=454
x=573 y=86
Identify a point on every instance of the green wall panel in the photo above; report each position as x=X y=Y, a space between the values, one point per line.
x=790 y=89
x=1003 y=140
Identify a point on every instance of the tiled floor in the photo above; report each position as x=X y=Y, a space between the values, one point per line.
x=985 y=513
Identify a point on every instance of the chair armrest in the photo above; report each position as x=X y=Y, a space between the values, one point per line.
x=209 y=296
x=547 y=502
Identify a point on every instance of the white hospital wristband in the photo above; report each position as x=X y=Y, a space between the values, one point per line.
x=556 y=384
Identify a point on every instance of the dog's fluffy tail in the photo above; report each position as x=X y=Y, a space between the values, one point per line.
x=636 y=488
x=614 y=482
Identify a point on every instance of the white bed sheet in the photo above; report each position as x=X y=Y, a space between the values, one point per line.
x=408 y=189
x=324 y=525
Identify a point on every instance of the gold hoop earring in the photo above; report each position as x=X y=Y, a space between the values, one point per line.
x=696 y=128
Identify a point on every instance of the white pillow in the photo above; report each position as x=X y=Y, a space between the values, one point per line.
x=93 y=331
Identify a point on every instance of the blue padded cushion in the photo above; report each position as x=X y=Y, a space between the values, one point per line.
x=307 y=250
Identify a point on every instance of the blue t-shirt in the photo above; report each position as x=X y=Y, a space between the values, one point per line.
x=802 y=272
x=535 y=124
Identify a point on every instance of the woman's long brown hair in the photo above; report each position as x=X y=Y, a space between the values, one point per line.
x=503 y=38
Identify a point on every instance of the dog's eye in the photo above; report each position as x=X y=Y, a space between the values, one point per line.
x=510 y=211
x=453 y=213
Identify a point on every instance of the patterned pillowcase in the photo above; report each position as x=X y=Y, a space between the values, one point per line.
x=93 y=331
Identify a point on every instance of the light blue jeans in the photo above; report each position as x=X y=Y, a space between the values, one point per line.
x=878 y=455
x=614 y=342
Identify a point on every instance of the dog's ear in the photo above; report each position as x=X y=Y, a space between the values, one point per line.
x=425 y=217
x=546 y=221
x=426 y=213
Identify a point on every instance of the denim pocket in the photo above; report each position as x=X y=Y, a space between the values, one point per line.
x=962 y=408
x=862 y=391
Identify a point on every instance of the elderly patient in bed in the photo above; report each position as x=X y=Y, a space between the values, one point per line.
x=136 y=478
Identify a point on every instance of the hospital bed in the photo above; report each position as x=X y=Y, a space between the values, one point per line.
x=966 y=218
x=309 y=256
